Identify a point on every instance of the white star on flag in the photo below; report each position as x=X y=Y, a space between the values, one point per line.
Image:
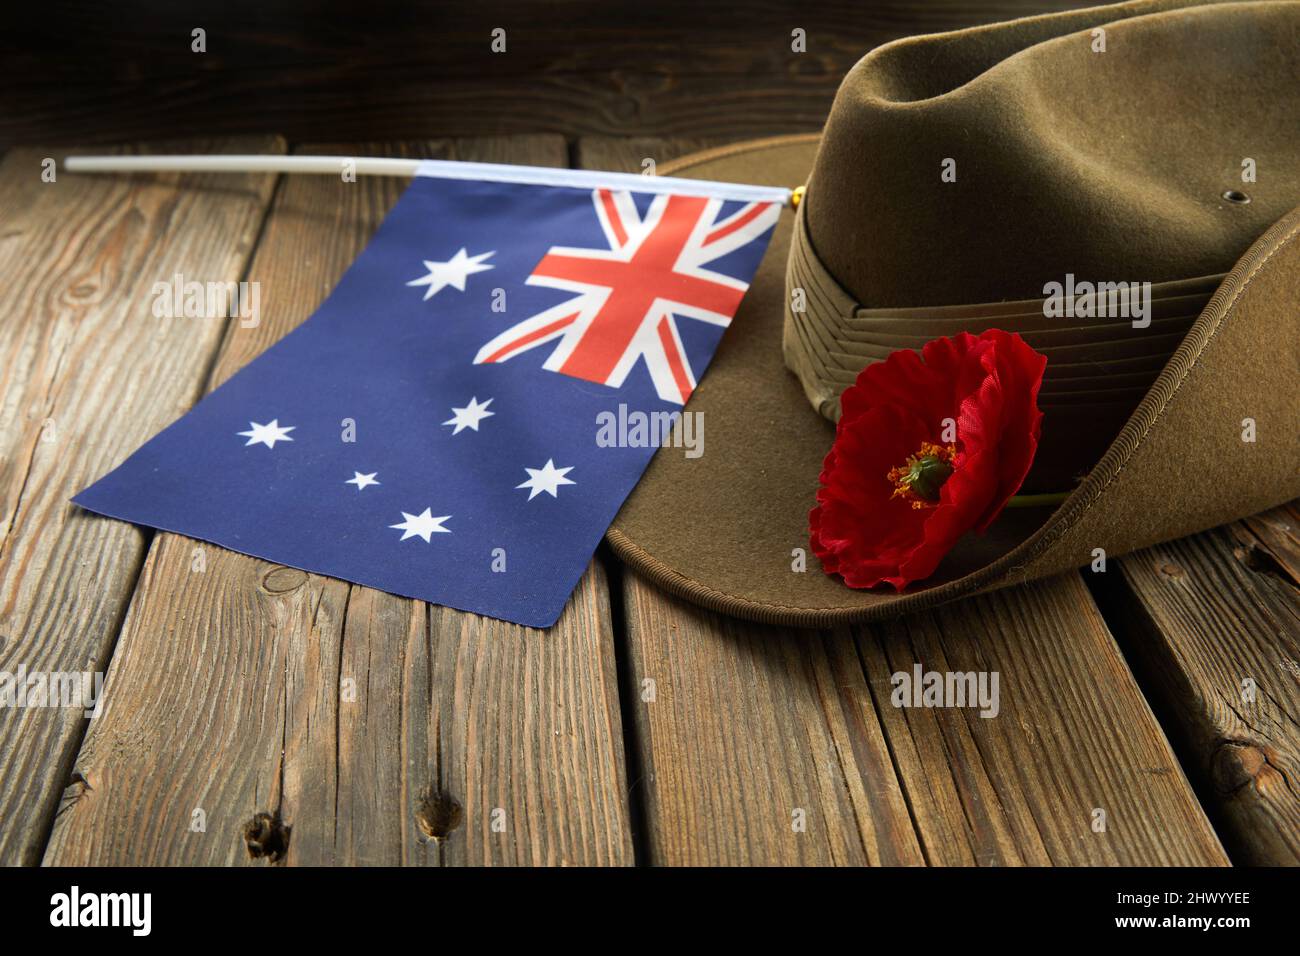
x=362 y=481
x=469 y=416
x=423 y=525
x=548 y=478
x=452 y=273
x=267 y=435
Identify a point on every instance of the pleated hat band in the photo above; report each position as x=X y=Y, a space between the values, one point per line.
x=828 y=337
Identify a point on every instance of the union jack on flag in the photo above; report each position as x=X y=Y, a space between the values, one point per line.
x=631 y=294
x=413 y=434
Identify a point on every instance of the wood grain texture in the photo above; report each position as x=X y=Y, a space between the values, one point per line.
x=1212 y=623
x=358 y=727
x=759 y=746
x=340 y=70
x=752 y=724
x=1073 y=735
x=87 y=373
x=636 y=153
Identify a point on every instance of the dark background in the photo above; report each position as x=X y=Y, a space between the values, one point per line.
x=119 y=71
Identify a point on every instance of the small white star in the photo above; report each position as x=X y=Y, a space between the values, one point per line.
x=267 y=435
x=469 y=416
x=548 y=478
x=452 y=273
x=422 y=525
x=362 y=481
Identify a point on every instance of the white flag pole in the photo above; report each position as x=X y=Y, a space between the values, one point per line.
x=379 y=166
x=322 y=165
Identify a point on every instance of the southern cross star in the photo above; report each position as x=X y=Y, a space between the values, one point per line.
x=548 y=478
x=469 y=416
x=421 y=525
x=452 y=273
x=363 y=481
x=267 y=435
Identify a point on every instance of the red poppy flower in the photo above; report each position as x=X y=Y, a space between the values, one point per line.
x=928 y=447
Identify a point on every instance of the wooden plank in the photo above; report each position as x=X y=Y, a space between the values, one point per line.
x=87 y=373
x=640 y=154
x=1212 y=623
x=751 y=724
x=759 y=746
x=345 y=725
x=675 y=67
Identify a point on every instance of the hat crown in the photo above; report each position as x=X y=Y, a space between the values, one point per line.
x=977 y=166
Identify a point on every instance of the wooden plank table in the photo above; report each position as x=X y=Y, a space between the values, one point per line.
x=260 y=715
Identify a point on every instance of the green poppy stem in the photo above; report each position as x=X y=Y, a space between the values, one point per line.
x=1037 y=501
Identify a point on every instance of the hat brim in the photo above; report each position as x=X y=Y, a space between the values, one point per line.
x=725 y=529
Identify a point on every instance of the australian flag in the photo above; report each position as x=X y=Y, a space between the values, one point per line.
x=432 y=430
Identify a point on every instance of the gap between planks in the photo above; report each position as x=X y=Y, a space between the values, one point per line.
x=1212 y=625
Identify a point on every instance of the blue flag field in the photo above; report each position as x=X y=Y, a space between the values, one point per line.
x=432 y=430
